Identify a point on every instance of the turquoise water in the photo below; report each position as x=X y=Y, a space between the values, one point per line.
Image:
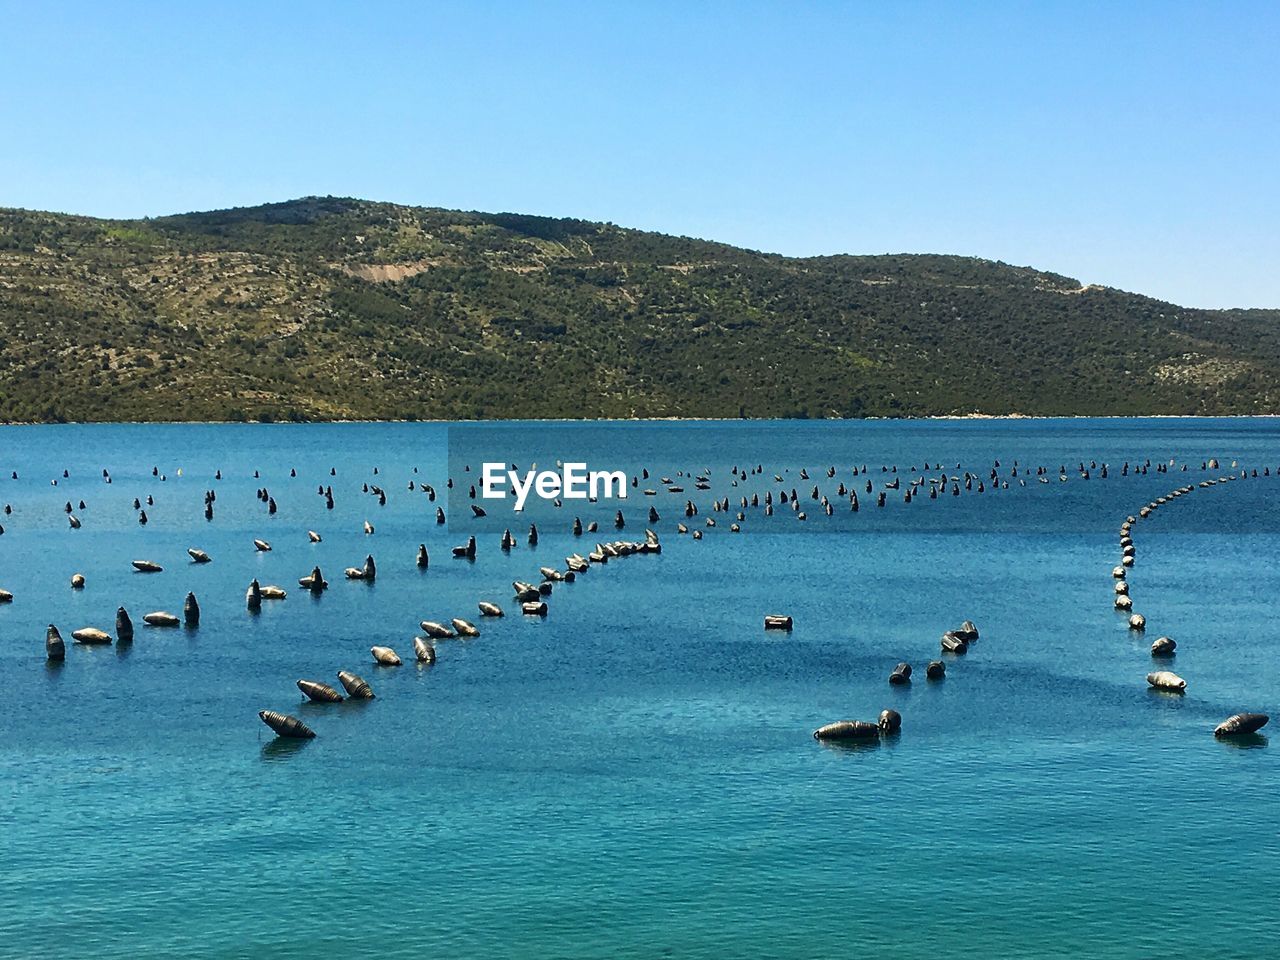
x=635 y=775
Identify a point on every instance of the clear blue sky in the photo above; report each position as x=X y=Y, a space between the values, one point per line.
x=1129 y=144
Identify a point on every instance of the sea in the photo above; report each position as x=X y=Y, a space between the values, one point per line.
x=634 y=775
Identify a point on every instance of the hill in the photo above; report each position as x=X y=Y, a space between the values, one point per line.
x=326 y=308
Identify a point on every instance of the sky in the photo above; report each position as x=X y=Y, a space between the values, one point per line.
x=1130 y=144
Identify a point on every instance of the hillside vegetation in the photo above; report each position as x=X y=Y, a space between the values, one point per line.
x=327 y=308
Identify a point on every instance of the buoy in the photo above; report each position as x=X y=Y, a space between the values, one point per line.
x=1241 y=723
x=356 y=687
x=367 y=572
x=890 y=721
x=191 y=611
x=318 y=692
x=436 y=630
x=124 y=626
x=385 y=656
x=286 y=726
x=847 y=730
x=1163 y=647
x=1164 y=680
x=314 y=581
x=953 y=644
x=54 y=647
x=424 y=651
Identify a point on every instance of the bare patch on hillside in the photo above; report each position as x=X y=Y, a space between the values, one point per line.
x=1199 y=370
x=387 y=272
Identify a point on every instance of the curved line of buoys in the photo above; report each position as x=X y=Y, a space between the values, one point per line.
x=1165 y=647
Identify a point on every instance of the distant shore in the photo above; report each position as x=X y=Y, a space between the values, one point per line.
x=921 y=419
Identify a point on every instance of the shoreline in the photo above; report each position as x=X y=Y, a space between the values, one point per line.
x=959 y=417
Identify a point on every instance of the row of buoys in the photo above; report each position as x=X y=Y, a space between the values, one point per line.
x=356 y=687
x=1123 y=602
x=915 y=488
x=704 y=476
x=1165 y=647
x=703 y=483
x=530 y=596
x=900 y=675
x=55 y=648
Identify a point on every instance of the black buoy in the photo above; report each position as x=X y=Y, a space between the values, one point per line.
x=124 y=626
